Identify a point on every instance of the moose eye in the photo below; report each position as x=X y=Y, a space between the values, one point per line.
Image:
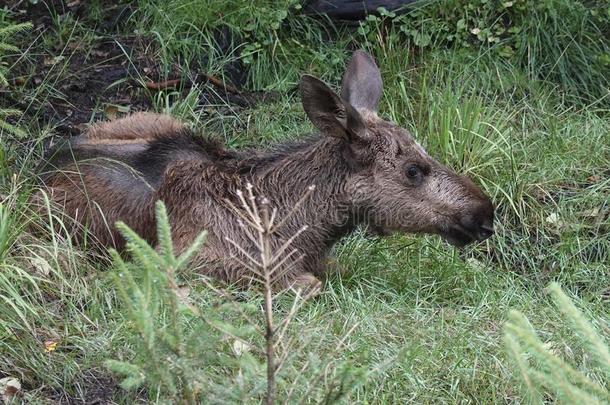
x=414 y=171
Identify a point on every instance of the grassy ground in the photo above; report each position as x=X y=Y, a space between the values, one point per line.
x=427 y=319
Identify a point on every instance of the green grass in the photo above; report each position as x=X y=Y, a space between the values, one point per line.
x=433 y=313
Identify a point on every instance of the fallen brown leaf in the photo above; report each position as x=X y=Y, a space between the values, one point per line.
x=9 y=387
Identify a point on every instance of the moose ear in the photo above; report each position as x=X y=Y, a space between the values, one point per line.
x=331 y=115
x=362 y=83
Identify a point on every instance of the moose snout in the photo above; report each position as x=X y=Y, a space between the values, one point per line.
x=479 y=223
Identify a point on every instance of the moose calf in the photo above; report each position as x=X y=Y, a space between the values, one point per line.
x=367 y=171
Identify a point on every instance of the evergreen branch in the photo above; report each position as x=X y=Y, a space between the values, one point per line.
x=582 y=327
x=164 y=236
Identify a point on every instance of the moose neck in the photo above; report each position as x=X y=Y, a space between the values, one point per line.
x=290 y=169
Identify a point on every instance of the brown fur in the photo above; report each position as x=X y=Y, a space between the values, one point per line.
x=137 y=128
x=367 y=171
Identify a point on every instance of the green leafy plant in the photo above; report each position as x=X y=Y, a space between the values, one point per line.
x=7 y=31
x=270 y=41
x=541 y=369
x=5 y=126
x=561 y=41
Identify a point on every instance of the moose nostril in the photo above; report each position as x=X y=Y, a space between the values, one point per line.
x=485 y=231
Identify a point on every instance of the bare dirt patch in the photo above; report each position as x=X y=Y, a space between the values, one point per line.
x=100 y=74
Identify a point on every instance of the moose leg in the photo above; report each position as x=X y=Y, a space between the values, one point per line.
x=309 y=284
x=94 y=195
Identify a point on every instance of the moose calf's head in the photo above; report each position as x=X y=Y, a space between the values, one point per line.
x=394 y=185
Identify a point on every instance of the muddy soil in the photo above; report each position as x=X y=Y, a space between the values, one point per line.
x=106 y=75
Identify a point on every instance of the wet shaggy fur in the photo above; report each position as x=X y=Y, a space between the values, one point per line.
x=195 y=177
x=366 y=171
